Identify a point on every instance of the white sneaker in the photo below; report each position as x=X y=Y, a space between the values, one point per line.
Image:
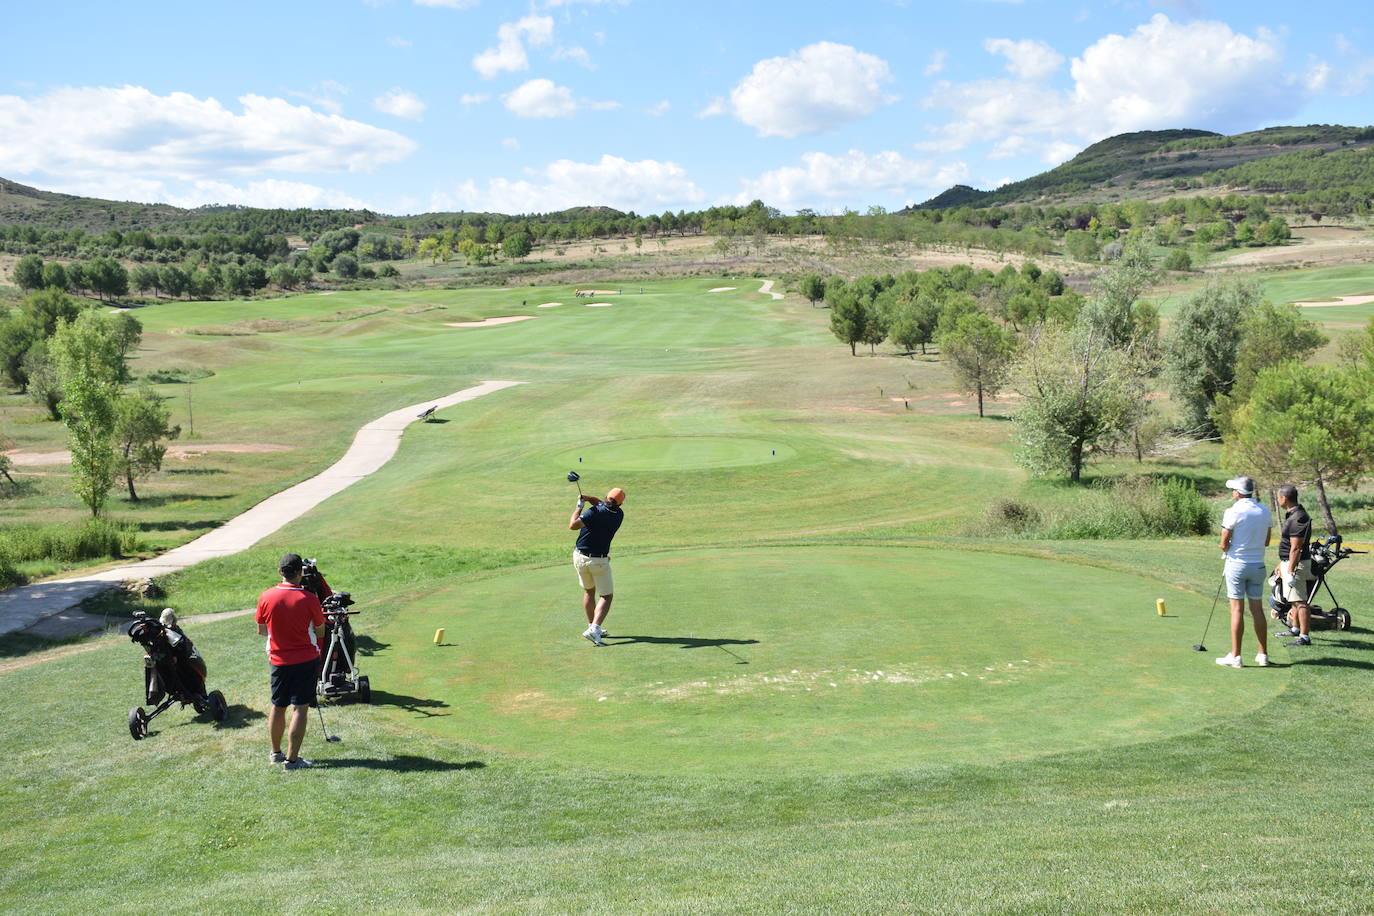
x=1230 y=661
x=1262 y=660
x=594 y=635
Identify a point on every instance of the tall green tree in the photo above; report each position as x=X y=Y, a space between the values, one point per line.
x=28 y=272
x=980 y=352
x=142 y=427
x=813 y=288
x=1081 y=398
x=1270 y=334
x=848 y=318
x=89 y=363
x=1201 y=349
x=1309 y=424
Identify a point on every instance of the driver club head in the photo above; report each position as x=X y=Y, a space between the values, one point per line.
x=333 y=738
x=1199 y=647
x=574 y=477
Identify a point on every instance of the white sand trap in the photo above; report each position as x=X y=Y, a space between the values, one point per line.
x=549 y=305
x=506 y=319
x=598 y=305
x=721 y=289
x=1339 y=300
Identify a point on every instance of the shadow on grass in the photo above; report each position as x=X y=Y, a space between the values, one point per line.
x=405 y=763
x=683 y=642
x=177 y=526
x=195 y=471
x=417 y=705
x=239 y=716
x=369 y=646
x=13 y=645
x=436 y=420
x=1336 y=663
x=156 y=502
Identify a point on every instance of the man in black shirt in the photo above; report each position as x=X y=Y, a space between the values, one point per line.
x=1295 y=563
x=592 y=556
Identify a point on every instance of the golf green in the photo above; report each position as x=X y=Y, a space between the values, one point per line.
x=814 y=659
x=675 y=453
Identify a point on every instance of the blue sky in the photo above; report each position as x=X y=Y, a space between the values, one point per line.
x=407 y=106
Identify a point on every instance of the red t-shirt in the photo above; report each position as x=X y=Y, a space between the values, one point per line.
x=290 y=613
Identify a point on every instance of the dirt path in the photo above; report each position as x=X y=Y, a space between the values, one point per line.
x=767 y=287
x=45 y=608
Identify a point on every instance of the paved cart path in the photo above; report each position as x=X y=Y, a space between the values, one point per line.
x=45 y=608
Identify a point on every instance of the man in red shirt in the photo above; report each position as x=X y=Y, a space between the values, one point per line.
x=293 y=622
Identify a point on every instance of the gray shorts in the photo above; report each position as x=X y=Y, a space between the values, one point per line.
x=1245 y=580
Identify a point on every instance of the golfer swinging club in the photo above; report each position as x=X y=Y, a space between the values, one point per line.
x=592 y=557
x=1245 y=531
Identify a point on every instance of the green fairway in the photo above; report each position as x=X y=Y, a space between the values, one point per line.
x=862 y=659
x=818 y=695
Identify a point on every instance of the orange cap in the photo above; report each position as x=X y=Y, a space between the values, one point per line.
x=616 y=495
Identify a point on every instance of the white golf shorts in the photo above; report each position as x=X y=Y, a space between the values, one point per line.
x=594 y=572
x=1244 y=580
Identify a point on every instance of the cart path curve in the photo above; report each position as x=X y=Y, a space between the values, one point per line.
x=44 y=608
x=767 y=287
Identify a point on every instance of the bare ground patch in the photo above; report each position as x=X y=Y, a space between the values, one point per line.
x=488 y=322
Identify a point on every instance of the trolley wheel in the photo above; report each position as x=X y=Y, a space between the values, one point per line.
x=219 y=709
x=138 y=723
x=1342 y=617
x=364 y=690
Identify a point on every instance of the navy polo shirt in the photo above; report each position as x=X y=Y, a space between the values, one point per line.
x=599 y=525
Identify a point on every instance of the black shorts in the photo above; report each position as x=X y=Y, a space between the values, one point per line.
x=294 y=685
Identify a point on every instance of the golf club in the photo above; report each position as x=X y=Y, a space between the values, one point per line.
x=573 y=478
x=1201 y=647
x=323 y=728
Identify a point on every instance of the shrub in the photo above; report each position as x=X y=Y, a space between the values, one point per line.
x=1132 y=507
x=1178 y=259
x=66 y=544
x=10 y=576
x=1010 y=515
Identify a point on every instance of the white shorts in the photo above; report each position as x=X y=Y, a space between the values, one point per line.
x=594 y=572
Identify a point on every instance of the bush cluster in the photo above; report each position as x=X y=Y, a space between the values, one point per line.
x=65 y=543
x=1132 y=507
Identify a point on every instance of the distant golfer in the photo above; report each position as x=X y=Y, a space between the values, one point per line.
x=1295 y=563
x=592 y=557
x=1245 y=531
x=291 y=618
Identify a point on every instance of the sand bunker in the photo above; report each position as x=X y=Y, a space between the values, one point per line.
x=549 y=305
x=598 y=305
x=506 y=319
x=182 y=452
x=721 y=289
x=1339 y=300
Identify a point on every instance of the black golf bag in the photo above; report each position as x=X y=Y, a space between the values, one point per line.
x=1325 y=555
x=173 y=672
x=339 y=654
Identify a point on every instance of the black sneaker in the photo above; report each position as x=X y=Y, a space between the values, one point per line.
x=1287 y=631
x=1300 y=641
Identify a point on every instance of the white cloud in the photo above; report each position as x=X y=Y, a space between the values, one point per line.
x=324 y=95
x=823 y=179
x=644 y=186
x=1027 y=59
x=509 y=53
x=271 y=193
x=543 y=98
x=397 y=42
x=474 y=98
x=1162 y=75
x=937 y=62
x=819 y=87
x=447 y=4
x=510 y=143
x=540 y=98
x=659 y=109
x=577 y=54
x=400 y=103
x=82 y=133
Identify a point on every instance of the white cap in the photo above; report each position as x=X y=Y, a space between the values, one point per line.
x=1243 y=485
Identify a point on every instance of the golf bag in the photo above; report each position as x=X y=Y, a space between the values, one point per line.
x=173 y=672
x=1325 y=555
x=338 y=657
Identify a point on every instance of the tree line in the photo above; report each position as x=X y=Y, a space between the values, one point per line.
x=1235 y=364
